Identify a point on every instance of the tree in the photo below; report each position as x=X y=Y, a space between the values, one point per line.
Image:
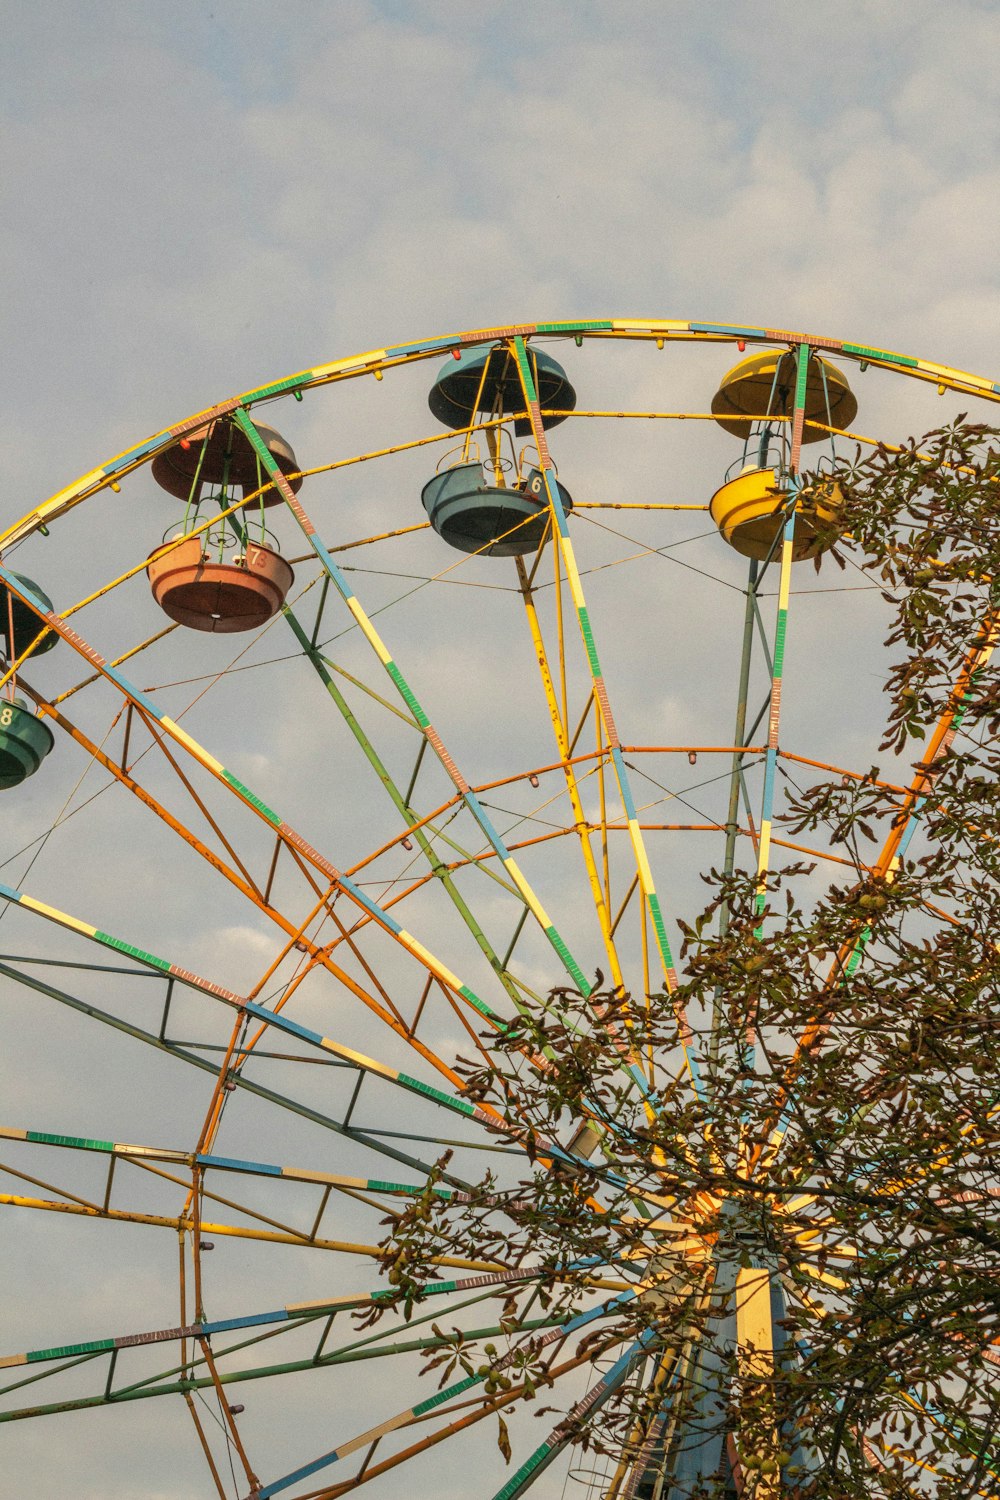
x=794 y=1268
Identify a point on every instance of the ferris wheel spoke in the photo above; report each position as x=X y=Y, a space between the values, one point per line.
x=279 y=1323
x=257 y=1012
x=379 y=1141
x=290 y=1316
x=566 y=746
x=490 y=1406
x=565 y=545
x=458 y=1388
x=366 y=1066
x=562 y=1434
x=409 y=698
x=402 y=803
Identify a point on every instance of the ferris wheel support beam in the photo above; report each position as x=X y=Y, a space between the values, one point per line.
x=565 y=747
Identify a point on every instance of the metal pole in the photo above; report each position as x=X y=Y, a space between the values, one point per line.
x=732 y=816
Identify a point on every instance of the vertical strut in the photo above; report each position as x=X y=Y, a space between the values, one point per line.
x=735 y=783
x=561 y=529
x=781 y=627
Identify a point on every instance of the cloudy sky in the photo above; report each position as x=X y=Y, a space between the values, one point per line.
x=199 y=198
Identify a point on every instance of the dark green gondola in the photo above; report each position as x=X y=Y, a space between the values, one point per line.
x=461 y=391
x=24 y=742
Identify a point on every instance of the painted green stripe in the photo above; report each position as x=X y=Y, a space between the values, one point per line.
x=866 y=353
x=573 y=967
x=407 y=695
x=856 y=956
x=42 y=1138
x=439 y=1396
x=139 y=953
x=660 y=927
x=599 y=324
x=525 y=368
x=251 y=797
x=802 y=377
x=588 y=640
x=779 y=642
x=374 y=1185
x=288 y=384
x=480 y=1005
x=65 y=1350
x=462 y=1105
x=515 y=1481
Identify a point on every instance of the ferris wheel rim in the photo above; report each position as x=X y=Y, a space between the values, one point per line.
x=375 y=362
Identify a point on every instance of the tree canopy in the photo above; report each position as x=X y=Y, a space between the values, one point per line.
x=786 y=1270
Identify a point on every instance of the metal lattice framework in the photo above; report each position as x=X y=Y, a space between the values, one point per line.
x=456 y=856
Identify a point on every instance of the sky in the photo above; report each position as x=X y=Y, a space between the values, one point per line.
x=200 y=198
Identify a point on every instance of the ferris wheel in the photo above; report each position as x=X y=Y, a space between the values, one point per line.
x=330 y=752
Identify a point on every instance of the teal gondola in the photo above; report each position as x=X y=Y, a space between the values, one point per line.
x=474 y=516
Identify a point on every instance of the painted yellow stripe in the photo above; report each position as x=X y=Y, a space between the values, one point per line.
x=198 y=751
x=664 y=325
x=638 y=844
x=155 y=1151
x=57 y=916
x=10 y=1134
x=947 y=373
x=71 y=490
x=572 y=572
x=369 y=630
x=825 y=1276
x=532 y=900
x=784 y=586
x=350 y=1055
x=341 y=366
x=13 y=1359
x=303 y=1174
x=434 y=964
x=293 y=1307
